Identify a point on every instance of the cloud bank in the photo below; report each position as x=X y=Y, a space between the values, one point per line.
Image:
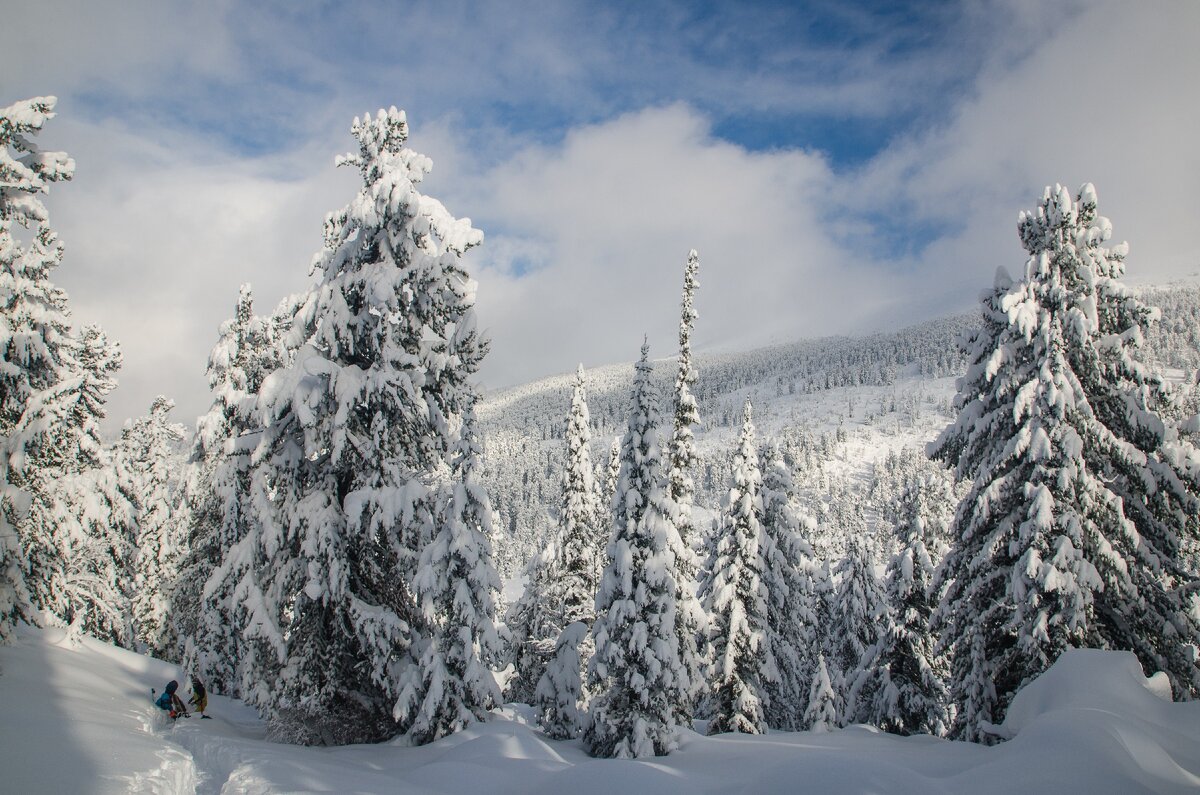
x=839 y=171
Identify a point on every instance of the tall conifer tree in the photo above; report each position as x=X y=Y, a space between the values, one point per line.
x=1070 y=534
x=639 y=662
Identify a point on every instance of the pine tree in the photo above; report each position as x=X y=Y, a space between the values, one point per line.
x=148 y=468
x=560 y=690
x=356 y=471
x=63 y=523
x=859 y=618
x=452 y=685
x=681 y=490
x=736 y=599
x=639 y=661
x=824 y=706
x=217 y=494
x=82 y=512
x=910 y=695
x=1070 y=534
x=33 y=330
x=790 y=575
x=612 y=473
x=563 y=585
x=533 y=622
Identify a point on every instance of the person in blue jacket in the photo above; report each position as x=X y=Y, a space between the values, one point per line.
x=171 y=703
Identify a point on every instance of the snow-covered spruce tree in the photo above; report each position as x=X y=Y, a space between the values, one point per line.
x=859 y=618
x=34 y=329
x=910 y=694
x=1070 y=533
x=612 y=473
x=217 y=493
x=355 y=473
x=639 y=664
x=824 y=709
x=563 y=589
x=87 y=517
x=533 y=623
x=682 y=490
x=581 y=526
x=452 y=685
x=790 y=574
x=735 y=598
x=148 y=465
x=560 y=690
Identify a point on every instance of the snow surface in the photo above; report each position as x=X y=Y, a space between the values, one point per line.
x=79 y=719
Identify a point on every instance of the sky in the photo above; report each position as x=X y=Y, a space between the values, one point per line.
x=841 y=167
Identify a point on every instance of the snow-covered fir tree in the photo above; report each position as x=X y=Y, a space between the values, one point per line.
x=639 y=666
x=148 y=466
x=582 y=531
x=1070 y=534
x=218 y=497
x=34 y=330
x=789 y=573
x=560 y=690
x=910 y=694
x=612 y=472
x=356 y=470
x=859 y=618
x=681 y=487
x=533 y=624
x=735 y=598
x=824 y=709
x=90 y=519
x=452 y=685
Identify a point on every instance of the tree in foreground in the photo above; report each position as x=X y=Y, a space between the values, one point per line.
x=790 y=574
x=560 y=690
x=34 y=329
x=910 y=696
x=148 y=466
x=736 y=598
x=452 y=684
x=361 y=468
x=638 y=666
x=824 y=710
x=682 y=461
x=859 y=618
x=220 y=508
x=1070 y=533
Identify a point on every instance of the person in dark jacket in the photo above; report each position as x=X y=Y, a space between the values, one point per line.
x=171 y=703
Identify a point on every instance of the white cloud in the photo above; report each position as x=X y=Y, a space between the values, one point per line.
x=587 y=235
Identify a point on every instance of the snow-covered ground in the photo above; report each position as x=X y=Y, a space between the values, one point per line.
x=78 y=719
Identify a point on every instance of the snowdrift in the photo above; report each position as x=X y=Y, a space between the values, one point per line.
x=79 y=719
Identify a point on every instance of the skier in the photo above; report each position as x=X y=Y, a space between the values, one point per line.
x=199 y=697
x=171 y=703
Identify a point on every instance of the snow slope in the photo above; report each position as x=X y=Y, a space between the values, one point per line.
x=79 y=719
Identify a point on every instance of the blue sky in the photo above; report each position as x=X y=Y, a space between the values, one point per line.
x=840 y=166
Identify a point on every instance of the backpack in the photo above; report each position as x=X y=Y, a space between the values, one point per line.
x=164 y=702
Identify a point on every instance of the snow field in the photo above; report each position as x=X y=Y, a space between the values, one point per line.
x=79 y=719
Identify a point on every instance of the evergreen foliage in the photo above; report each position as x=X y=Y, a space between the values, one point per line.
x=1070 y=534
x=909 y=696
x=360 y=468
x=735 y=597
x=859 y=618
x=790 y=572
x=560 y=690
x=149 y=467
x=452 y=685
x=639 y=661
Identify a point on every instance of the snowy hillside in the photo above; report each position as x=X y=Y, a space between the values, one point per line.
x=79 y=719
x=841 y=405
